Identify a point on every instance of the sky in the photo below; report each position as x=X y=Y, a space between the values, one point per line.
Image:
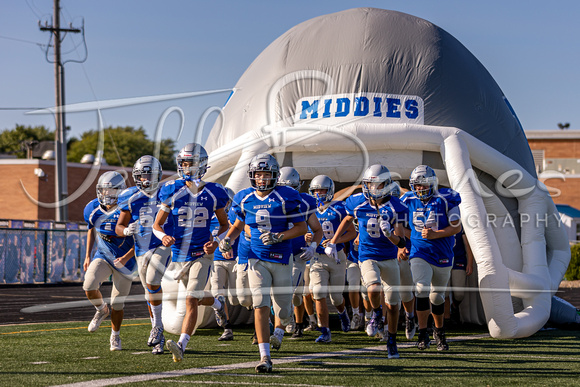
x=150 y=48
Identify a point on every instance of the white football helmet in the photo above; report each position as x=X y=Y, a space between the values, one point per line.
x=424 y=176
x=396 y=190
x=267 y=163
x=147 y=173
x=377 y=182
x=109 y=187
x=196 y=155
x=322 y=182
x=289 y=176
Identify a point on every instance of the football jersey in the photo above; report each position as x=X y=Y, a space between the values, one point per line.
x=352 y=253
x=275 y=213
x=434 y=215
x=330 y=218
x=143 y=209
x=215 y=226
x=243 y=249
x=191 y=216
x=372 y=242
x=109 y=245
x=307 y=207
x=459 y=252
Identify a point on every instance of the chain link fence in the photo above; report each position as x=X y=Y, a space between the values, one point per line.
x=41 y=252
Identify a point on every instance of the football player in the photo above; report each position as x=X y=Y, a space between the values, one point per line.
x=115 y=256
x=462 y=267
x=302 y=251
x=381 y=233
x=274 y=216
x=139 y=207
x=190 y=203
x=329 y=272
x=223 y=275
x=435 y=219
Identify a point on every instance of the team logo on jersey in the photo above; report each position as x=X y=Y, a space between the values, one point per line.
x=393 y=108
x=276 y=256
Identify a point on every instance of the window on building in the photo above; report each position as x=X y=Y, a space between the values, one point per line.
x=539 y=160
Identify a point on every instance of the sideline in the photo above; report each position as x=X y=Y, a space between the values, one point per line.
x=237 y=366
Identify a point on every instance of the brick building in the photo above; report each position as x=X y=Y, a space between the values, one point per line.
x=557 y=157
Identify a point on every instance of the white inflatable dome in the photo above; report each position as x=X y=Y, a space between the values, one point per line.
x=342 y=91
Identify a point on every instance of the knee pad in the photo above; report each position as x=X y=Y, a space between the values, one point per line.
x=438 y=309
x=422 y=304
x=118 y=303
x=286 y=321
x=437 y=298
x=197 y=294
x=296 y=300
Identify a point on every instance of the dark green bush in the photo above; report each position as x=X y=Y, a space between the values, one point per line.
x=573 y=272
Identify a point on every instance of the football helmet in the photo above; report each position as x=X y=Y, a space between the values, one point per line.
x=231 y=195
x=109 y=187
x=396 y=190
x=196 y=155
x=264 y=162
x=425 y=177
x=322 y=182
x=147 y=173
x=289 y=176
x=374 y=177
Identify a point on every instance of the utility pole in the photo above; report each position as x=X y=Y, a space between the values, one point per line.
x=61 y=188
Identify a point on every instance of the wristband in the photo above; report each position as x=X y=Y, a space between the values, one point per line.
x=402 y=242
x=159 y=234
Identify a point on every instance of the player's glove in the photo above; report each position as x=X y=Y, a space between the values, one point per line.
x=269 y=238
x=131 y=229
x=330 y=250
x=308 y=253
x=386 y=227
x=225 y=245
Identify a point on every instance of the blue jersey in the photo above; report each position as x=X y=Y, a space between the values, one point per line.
x=352 y=253
x=459 y=252
x=243 y=248
x=191 y=216
x=434 y=215
x=330 y=218
x=275 y=213
x=143 y=209
x=215 y=226
x=307 y=208
x=109 y=245
x=372 y=243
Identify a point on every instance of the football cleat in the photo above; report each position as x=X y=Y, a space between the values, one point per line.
x=376 y=324
x=312 y=326
x=356 y=322
x=159 y=348
x=265 y=365
x=325 y=337
x=439 y=335
x=276 y=341
x=254 y=339
x=291 y=327
x=392 y=351
x=175 y=349
x=344 y=321
x=115 y=343
x=410 y=327
x=220 y=314
x=423 y=341
x=228 y=335
x=155 y=336
x=100 y=315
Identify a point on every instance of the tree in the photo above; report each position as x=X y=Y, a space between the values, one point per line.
x=122 y=147
x=14 y=141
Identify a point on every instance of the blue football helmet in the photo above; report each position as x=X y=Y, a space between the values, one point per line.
x=377 y=182
x=322 y=182
x=425 y=177
x=109 y=186
x=289 y=176
x=196 y=156
x=264 y=162
x=147 y=173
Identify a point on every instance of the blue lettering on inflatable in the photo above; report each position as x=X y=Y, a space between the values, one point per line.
x=361 y=106
x=327 y=104
x=342 y=107
x=411 y=109
x=377 y=101
x=393 y=107
x=307 y=107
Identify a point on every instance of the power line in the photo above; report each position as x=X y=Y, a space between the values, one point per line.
x=22 y=40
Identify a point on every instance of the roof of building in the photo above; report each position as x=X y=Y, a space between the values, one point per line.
x=568 y=210
x=555 y=134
